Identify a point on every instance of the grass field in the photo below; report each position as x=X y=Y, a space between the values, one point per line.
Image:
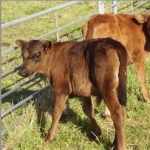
x=27 y=125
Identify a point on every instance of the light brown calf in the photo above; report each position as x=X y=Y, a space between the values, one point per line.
x=133 y=31
x=92 y=67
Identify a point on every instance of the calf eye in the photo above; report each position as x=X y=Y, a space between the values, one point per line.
x=37 y=56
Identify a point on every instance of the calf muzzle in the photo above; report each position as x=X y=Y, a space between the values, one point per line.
x=24 y=72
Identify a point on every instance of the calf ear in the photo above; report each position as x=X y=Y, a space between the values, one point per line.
x=141 y=18
x=47 y=45
x=20 y=43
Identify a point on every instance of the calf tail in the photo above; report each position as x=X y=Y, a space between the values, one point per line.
x=122 y=93
x=122 y=89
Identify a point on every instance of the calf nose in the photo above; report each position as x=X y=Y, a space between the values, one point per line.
x=23 y=72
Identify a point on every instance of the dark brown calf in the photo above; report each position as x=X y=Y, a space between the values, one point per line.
x=92 y=67
x=133 y=31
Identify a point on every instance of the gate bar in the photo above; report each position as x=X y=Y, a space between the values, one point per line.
x=39 y=14
x=19 y=86
x=22 y=102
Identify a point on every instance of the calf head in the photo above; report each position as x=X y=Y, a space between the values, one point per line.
x=33 y=54
x=144 y=18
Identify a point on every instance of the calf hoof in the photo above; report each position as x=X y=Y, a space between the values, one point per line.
x=106 y=116
x=148 y=101
x=97 y=131
x=49 y=139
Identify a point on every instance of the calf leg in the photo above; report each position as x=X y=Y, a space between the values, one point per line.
x=59 y=106
x=89 y=111
x=107 y=112
x=117 y=115
x=141 y=72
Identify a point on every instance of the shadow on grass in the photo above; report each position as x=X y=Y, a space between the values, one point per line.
x=18 y=92
x=83 y=124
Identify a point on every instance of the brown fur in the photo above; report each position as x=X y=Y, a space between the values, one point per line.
x=133 y=31
x=92 y=67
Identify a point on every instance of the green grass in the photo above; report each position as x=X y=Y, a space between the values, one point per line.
x=26 y=126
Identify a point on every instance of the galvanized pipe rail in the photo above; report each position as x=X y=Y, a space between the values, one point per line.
x=10 y=71
x=114 y=6
x=39 y=14
x=65 y=26
x=136 y=7
x=19 y=86
x=9 y=50
x=23 y=101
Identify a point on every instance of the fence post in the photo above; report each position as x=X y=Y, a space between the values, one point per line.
x=101 y=7
x=114 y=7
